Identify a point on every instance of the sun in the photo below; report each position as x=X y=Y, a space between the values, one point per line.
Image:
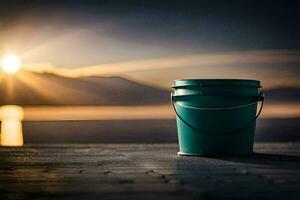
x=11 y=64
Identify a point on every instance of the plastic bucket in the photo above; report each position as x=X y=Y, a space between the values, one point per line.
x=216 y=116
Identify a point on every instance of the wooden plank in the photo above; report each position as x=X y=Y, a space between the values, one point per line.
x=146 y=171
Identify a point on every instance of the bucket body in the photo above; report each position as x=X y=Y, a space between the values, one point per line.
x=216 y=116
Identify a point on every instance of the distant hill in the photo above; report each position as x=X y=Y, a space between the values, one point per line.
x=283 y=95
x=28 y=88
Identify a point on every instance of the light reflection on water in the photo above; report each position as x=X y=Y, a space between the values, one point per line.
x=11 y=117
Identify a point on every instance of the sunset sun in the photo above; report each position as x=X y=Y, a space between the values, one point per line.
x=11 y=64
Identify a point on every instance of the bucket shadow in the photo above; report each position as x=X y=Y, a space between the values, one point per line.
x=280 y=161
x=226 y=177
x=219 y=164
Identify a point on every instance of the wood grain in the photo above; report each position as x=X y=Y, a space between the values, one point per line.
x=146 y=171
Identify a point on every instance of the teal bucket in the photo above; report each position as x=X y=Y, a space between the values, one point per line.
x=216 y=116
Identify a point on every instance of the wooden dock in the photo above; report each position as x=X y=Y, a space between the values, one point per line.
x=146 y=171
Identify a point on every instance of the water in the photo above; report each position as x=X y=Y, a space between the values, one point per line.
x=117 y=124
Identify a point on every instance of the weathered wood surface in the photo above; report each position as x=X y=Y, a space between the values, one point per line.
x=147 y=171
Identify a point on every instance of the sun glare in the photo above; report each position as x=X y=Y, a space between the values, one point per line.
x=11 y=64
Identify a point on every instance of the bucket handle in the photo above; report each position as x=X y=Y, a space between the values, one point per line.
x=260 y=98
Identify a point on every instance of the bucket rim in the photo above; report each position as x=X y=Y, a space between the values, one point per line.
x=216 y=82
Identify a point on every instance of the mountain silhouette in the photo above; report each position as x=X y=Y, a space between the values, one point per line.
x=29 y=88
x=283 y=94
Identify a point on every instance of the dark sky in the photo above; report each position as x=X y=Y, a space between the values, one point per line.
x=200 y=25
x=74 y=34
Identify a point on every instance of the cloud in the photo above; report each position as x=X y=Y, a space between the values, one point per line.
x=199 y=60
x=274 y=68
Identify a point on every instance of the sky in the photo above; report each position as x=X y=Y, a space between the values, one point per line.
x=155 y=41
